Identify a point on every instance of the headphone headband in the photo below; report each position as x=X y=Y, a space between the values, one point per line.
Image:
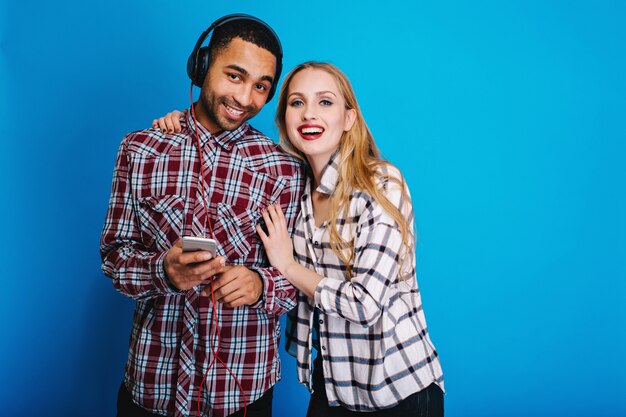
x=198 y=62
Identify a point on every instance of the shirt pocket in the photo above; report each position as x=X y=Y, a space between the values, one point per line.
x=266 y=189
x=161 y=220
x=235 y=232
x=251 y=190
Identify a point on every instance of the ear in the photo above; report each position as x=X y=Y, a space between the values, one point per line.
x=350 y=119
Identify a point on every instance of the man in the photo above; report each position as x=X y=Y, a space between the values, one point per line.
x=163 y=189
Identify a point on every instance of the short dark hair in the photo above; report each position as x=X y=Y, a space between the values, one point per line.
x=249 y=31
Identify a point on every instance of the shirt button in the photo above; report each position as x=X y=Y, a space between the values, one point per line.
x=321 y=321
x=323 y=347
x=317 y=243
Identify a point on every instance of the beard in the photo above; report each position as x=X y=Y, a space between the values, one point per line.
x=212 y=104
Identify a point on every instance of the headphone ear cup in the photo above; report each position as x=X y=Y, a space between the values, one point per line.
x=191 y=67
x=197 y=69
x=279 y=68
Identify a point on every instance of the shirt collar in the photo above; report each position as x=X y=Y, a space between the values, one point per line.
x=226 y=138
x=330 y=175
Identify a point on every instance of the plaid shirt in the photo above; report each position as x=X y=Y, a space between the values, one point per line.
x=372 y=333
x=156 y=198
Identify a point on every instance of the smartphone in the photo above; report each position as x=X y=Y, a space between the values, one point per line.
x=195 y=243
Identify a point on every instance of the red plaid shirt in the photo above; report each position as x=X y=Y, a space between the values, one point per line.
x=156 y=198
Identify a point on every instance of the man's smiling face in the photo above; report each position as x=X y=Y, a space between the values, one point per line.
x=236 y=86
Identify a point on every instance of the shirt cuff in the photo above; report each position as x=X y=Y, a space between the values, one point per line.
x=161 y=280
x=262 y=301
x=317 y=295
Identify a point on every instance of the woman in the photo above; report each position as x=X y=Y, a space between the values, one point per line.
x=359 y=306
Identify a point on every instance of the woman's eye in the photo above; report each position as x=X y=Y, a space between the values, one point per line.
x=326 y=103
x=296 y=103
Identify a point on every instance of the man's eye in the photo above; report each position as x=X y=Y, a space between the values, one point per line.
x=261 y=87
x=233 y=77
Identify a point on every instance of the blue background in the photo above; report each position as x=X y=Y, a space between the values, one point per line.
x=507 y=119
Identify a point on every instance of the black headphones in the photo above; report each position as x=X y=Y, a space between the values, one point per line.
x=198 y=62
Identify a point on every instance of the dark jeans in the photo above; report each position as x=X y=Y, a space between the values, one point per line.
x=425 y=403
x=127 y=408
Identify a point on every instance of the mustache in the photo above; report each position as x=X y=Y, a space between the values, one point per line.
x=234 y=103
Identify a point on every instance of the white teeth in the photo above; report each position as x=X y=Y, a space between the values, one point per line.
x=311 y=130
x=233 y=111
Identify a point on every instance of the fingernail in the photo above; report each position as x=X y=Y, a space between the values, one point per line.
x=222 y=261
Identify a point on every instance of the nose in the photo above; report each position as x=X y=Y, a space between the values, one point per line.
x=309 y=113
x=244 y=96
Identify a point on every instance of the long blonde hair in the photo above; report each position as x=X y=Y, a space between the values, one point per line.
x=360 y=166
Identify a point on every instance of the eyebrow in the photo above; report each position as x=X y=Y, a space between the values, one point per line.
x=247 y=74
x=319 y=93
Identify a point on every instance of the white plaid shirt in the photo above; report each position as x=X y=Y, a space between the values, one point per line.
x=372 y=332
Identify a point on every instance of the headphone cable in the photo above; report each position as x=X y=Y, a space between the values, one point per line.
x=216 y=328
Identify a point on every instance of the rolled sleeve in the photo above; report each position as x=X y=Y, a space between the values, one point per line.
x=279 y=296
x=376 y=267
x=379 y=254
x=135 y=272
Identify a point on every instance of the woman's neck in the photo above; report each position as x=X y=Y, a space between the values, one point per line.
x=317 y=164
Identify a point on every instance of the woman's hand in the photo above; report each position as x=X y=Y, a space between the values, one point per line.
x=277 y=241
x=169 y=123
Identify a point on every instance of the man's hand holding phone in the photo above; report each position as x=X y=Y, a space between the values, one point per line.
x=192 y=261
x=236 y=286
x=194 y=265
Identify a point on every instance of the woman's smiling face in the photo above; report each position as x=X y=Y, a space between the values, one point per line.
x=316 y=114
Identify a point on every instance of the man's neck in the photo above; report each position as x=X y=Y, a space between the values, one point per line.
x=203 y=117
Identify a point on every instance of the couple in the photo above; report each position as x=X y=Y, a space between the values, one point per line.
x=205 y=333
